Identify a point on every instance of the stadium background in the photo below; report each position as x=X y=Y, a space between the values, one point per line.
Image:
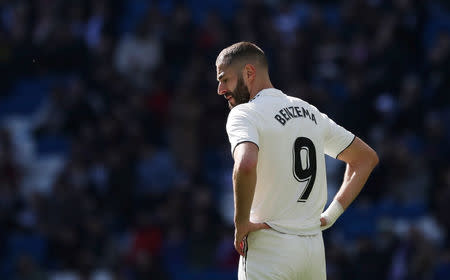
x=114 y=161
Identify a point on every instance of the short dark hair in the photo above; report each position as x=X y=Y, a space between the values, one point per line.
x=244 y=52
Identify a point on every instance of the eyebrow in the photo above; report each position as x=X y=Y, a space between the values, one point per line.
x=220 y=76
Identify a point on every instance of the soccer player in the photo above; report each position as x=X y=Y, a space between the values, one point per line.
x=279 y=143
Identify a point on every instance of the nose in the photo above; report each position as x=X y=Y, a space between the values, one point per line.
x=221 y=89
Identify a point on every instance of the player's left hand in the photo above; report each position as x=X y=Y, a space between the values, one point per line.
x=323 y=223
x=242 y=230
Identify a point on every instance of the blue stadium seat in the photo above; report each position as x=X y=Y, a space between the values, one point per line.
x=134 y=11
x=31 y=245
x=439 y=22
x=25 y=97
x=53 y=144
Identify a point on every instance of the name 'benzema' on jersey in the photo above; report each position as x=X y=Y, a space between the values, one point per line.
x=293 y=138
x=294 y=112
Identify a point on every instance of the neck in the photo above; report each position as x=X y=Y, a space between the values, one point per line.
x=260 y=86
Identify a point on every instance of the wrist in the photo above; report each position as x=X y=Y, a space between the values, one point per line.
x=333 y=212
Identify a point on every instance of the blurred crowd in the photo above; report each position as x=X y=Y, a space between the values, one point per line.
x=127 y=89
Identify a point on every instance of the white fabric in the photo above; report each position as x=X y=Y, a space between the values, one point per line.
x=279 y=188
x=273 y=255
x=332 y=214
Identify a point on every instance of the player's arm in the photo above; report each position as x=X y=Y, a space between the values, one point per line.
x=244 y=183
x=244 y=180
x=361 y=160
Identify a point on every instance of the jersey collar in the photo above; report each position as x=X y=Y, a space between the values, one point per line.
x=266 y=91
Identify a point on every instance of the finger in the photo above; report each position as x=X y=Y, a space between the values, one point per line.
x=324 y=224
x=265 y=226
x=259 y=226
x=238 y=247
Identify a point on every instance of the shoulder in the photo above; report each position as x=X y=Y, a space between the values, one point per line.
x=242 y=110
x=242 y=115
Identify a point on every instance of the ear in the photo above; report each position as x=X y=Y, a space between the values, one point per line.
x=250 y=72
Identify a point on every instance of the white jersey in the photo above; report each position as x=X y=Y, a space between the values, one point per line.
x=293 y=138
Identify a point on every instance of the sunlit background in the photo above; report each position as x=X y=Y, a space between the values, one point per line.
x=115 y=164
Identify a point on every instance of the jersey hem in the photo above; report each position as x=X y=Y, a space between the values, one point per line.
x=299 y=232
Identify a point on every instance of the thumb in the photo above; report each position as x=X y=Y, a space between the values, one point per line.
x=323 y=221
x=258 y=226
x=263 y=226
x=324 y=224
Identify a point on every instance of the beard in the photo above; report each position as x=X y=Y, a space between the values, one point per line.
x=240 y=94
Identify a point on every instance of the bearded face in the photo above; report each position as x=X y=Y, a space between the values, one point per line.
x=239 y=95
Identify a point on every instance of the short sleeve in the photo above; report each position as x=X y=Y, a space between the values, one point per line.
x=241 y=127
x=337 y=138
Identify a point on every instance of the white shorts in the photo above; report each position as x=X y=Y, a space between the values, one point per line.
x=274 y=255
